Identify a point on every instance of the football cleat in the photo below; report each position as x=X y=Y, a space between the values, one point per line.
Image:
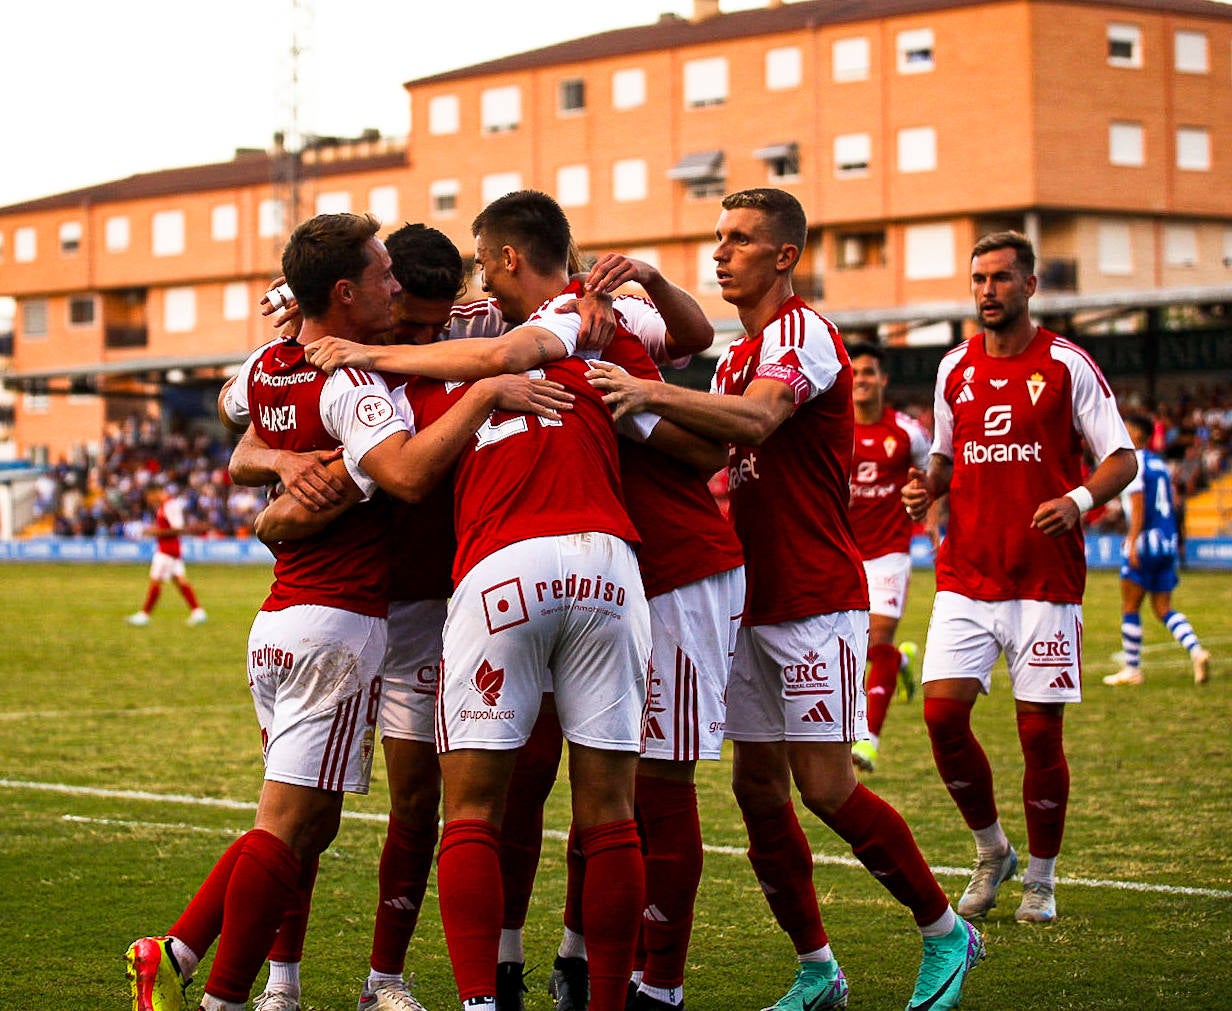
x=510 y=985
x=197 y=617
x=1039 y=903
x=388 y=995
x=943 y=969
x=818 y=986
x=864 y=756
x=644 y=1002
x=140 y=619
x=1201 y=665
x=275 y=1000
x=1125 y=676
x=154 y=976
x=569 y=984
x=910 y=653
x=981 y=892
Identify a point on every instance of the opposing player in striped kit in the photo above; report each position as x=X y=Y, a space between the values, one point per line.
x=1011 y=408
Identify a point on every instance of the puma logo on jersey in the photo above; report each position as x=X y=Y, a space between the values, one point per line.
x=278 y=419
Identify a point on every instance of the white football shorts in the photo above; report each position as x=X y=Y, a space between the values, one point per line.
x=314 y=673
x=800 y=680
x=1042 y=642
x=163 y=568
x=693 y=635
x=411 y=669
x=573 y=604
x=888 y=578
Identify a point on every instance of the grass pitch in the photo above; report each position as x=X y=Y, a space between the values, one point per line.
x=129 y=758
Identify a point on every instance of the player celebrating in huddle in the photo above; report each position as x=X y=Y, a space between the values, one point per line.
x=887 y=444
x=1010 y=407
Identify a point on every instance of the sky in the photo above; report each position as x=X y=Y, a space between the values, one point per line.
x=91 y=92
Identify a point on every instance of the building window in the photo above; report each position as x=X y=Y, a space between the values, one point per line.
x=168 y=233
x=116 y=234
x=852 y=154
x=915 y=51
x=705 y=82
x=571 y=96
x=70 y=238
x=34 y=318
x=383 y=203
x=855 y=250
x=179 y=310
x=1124 y=45
x=1125 y=144
x=929 y=252
x=704 y=173
x=707 y=281
x=443 y=196
x=1180 y=246
x=784 y=68
x=224 y=223
x=81 y=310
x=443 y=114
x=1227 y=247
x=917 y=149
x=235 y=301
x=35 y=403
x=25 y=245
x=1189 y=53
x=647 y=254
x=782 y=160
x=501 y=109
x=1193 y=148
x=271 y=219
x=628 y=88
x=497 y=184
x=573 y=185
x=337 y=202
x=850 y=59
x=1115 y=250
x=629 y=180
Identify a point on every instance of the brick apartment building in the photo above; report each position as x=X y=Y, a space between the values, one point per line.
x=907 y=128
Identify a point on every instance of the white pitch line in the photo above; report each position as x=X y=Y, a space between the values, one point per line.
x=53 y=714
x=730 y=851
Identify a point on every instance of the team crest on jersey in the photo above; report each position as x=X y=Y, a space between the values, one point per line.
x=890 y=443
x=373 y=410
x=504 y=605
x=1035 y=386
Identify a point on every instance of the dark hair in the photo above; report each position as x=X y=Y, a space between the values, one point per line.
x=323 y=251
x=788 y=224
x=1024 y=252
x=869 y=349
x=533 y=224
x=426 y=263
x=1144 y=423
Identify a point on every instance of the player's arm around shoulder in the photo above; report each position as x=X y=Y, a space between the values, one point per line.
x=286 y=518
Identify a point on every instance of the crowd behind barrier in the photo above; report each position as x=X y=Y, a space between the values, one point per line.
x=103 y=494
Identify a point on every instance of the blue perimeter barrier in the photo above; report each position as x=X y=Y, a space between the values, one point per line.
x=1103 y=551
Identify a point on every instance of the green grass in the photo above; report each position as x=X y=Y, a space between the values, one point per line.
x=88 y=702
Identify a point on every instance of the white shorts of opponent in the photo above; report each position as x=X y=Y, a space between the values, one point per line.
x=693 y=636
x=573 y=604
x=411 y=669
x=164 y=568
x=888 y=578
x=800 y=680
x=314 y=673
x=1042 y=643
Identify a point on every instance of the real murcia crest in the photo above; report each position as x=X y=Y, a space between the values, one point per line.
x=1035 y=386
x=890 y=443
x=998 y=384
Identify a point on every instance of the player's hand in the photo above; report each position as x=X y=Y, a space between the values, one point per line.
x=524 y=395
x=612 y=270
x=279 y=301
x=1131 y=554
x=306 y=477
x=598 y=320
x=331 y=353
x=1056 y=516
x=621 y=392
x=916 y=494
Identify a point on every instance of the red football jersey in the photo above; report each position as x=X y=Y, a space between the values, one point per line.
x=170 y=516
x=294 y=405
x=1014 y=429
x=789 y=496
x=884 y=452
x=525 y=476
